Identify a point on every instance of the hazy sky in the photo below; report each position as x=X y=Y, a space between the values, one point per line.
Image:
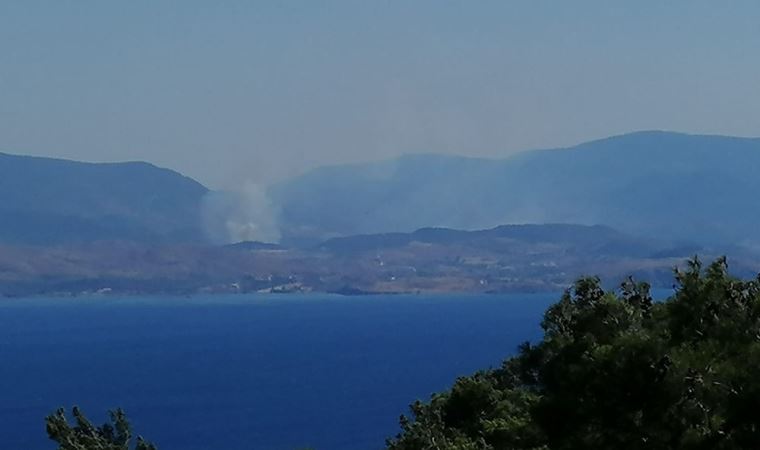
x=231 y=92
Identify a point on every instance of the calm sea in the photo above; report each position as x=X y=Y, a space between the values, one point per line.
x=248 y=372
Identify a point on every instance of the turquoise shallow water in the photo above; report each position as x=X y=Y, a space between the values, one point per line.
x=248 y=372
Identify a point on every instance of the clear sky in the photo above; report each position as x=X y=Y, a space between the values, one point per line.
x=235 y=92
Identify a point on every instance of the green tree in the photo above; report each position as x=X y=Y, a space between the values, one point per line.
x=615 y=370
x=83 y=435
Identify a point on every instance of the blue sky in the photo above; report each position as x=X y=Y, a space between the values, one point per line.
x=240 y=92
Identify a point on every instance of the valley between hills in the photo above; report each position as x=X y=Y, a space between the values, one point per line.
x=632 y=205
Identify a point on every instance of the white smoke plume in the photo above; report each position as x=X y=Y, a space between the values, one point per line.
x=237 y=216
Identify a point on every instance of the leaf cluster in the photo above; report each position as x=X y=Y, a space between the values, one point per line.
x=615 y=370
x=83 y=435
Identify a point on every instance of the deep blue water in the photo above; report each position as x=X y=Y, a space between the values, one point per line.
x=248 y=372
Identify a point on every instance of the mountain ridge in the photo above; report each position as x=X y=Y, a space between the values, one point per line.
x=672 y=179
x=690 y=187
x=50 y=200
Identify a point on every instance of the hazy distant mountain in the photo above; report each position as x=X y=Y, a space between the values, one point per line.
x=46 y=201
x=667 y=185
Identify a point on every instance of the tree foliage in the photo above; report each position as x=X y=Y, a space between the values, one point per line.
x=615 y=370
x=83 y=435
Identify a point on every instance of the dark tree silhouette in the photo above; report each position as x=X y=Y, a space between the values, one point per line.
x=83 y=435
x=615 y=371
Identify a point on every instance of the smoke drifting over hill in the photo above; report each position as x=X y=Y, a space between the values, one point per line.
x=245 y=215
